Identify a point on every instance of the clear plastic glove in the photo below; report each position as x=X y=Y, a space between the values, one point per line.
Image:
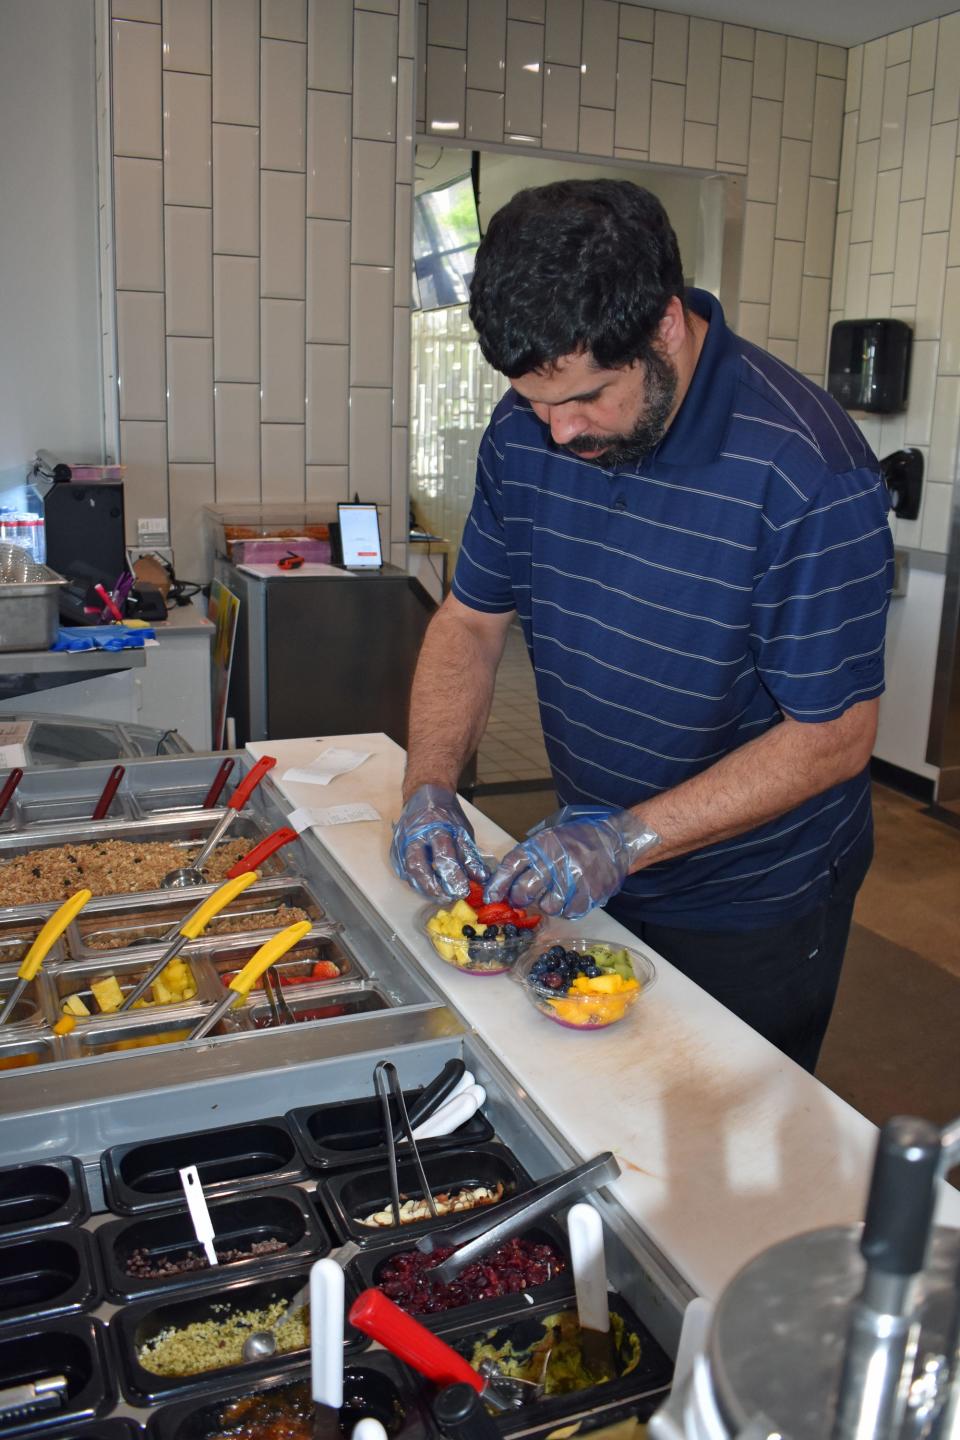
x=433 y=846
x=572 y=861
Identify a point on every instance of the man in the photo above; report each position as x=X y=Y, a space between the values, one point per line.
x=694 y=538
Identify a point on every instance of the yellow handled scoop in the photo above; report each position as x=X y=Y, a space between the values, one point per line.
x=41 y=947
x=241 y=985
x=191 y=929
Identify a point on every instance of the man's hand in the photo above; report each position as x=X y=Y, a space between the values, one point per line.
x=577 y=859
x=433 y=846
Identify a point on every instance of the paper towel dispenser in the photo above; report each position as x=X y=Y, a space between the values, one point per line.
x=869 y=367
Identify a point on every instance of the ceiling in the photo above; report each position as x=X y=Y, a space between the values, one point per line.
x=838 y=22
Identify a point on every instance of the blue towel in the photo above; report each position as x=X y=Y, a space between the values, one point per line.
x=101 y=637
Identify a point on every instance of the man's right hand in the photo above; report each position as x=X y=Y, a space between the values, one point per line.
x=433 y=847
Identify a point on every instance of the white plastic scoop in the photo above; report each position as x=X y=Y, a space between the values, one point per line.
x=199 y=1214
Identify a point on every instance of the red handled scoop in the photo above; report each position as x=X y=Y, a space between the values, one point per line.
x=193 y=874
x=262 y=851
x=376 y=1316
x=219 y=780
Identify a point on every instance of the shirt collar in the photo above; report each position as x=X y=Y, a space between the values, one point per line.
x=697 y=430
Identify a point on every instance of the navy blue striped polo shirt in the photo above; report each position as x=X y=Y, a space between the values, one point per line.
x=676 y=608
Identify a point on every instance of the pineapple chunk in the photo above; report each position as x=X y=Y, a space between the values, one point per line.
x=464 y=913
x=73 y=1005
x=107 y=994
x=161 y=994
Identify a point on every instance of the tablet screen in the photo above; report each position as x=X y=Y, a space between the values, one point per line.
x=360 y=537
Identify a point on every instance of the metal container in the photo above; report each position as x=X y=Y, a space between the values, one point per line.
x=133 y=922
x=78 y=980
x=294 y=970
x=318 y=1005
x=23 y=1054
x=137 y=1037
x=29 y=601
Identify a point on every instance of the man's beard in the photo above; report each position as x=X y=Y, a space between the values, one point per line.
x=660 y=393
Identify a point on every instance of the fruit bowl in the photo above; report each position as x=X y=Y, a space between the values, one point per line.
x=584 y=984
x=491 y=948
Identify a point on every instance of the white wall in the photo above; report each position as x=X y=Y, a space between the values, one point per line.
x=898 y=255
x=50 y=386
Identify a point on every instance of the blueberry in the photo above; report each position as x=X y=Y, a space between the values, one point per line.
x=553 y=981
x=556 y=952
x=592 y=970
x=474 y=952
x=509 y=930
x=468 y=932
x=491 y=932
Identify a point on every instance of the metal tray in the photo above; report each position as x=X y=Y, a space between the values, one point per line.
x=131 y=1037
x=20 y=1053
x=130 y=922
x=19 y=929
x=126 y=970
x=29 y=601
x=281 y=1213
x=311 y=1005
x=185 y=835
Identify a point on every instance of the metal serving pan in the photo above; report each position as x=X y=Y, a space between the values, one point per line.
x=315 y=1005
x=185 y=836
x=18 y=932
x=126 y=970
x=138 y=1036
x=294 y=970
x=29 y=601
x=131 y=922
x=22 y=1053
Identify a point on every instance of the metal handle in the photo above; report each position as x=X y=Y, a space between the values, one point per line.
x=219 y=780
x=250 y=782
x=474 y=1236
x=386 y=1082
x=374 y=1315
x=108 y=792
x=270 y=951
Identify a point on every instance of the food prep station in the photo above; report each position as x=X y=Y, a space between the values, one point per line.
x=282 y=1123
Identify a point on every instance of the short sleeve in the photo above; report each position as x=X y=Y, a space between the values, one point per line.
x=820 y=603
x=482 y=577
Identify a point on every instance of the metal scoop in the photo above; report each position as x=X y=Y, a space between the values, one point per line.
x=241 y=984
x=19 y=1402
x=193 y=874
x=193 y=925
x=476 y=1235
x=41 y=947
x=261 y=1344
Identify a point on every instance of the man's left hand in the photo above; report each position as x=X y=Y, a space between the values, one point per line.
x=574 y=861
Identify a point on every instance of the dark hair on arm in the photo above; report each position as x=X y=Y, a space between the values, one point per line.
x=580 y=265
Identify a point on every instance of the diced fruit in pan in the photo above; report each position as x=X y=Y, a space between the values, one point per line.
x=107 y=994
x=65 y=1024
x=73 y=1005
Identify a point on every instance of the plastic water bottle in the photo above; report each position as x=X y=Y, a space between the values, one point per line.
x=22 y=521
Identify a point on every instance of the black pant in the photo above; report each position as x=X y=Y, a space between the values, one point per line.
x=782 y=980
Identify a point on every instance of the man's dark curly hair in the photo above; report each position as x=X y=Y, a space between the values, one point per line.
x=580 y=265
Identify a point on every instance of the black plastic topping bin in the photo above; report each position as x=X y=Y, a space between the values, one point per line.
x=351 y=1196
x=145 y=1175
x=645 y=1369
x=463 y=1302
x=74 y=1347
x=374 y=1386
x=130 y=1249
x=350 y=1132
x=159 y=1324
x=47 y=1274
x=38 y=1196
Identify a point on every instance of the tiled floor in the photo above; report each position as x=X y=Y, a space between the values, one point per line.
x=892 y=1043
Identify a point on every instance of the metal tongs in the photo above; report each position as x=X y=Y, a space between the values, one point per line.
x=386 y=1082
x=20 y=1401
x=475 y=1235
x=280 y=1011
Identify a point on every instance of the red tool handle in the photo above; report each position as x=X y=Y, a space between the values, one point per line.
x=250 y=782
x=220 y=779
x=108 y=792
x=261 y=851
x=405 y=1337
x=11 y=783
x=109 y=604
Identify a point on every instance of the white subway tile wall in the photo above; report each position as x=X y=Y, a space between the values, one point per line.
x=257 y=149
x=313 y=113
x=897 y=253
